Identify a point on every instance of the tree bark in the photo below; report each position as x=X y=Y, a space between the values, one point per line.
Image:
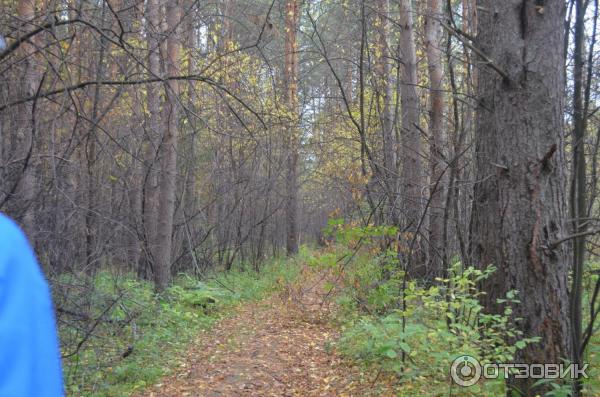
x=168 y=186
x=93 y=228
x=411 y=175
x=291 y=97
x=26 y=119
x=519 y=204
x=578 y=180
x=384 y=91
x=150 y=205
x=433 y=38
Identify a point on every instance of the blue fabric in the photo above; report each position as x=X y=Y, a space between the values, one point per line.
x=29 y=354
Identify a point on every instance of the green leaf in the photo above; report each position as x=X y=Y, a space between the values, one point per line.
x=391 y=353
x=404 y=346
x=521 y=344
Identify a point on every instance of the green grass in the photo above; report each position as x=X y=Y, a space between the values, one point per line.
x=158 y=328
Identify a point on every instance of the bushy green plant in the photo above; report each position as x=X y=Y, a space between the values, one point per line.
x=416 y=331
x=437 y=324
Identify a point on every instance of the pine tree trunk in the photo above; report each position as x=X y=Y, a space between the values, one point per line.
x=433 y=42
x=411 y=174
x=519 y=204
x=578 y=181
x=168 y=186
x=291 y=96
x=25 y=127
x=389 y=179
x=150 y=204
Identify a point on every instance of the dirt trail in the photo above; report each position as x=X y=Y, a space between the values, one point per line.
x=276 y=347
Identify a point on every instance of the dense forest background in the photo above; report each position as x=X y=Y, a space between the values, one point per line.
x=157 y=138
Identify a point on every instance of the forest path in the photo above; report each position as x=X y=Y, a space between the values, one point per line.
x=279 y=346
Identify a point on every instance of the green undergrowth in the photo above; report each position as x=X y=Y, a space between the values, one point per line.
x=410 y=332
x=132 y=337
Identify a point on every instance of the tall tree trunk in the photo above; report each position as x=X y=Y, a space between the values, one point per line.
x=292 y=137
x=411 y=175
x=93 y=229
x=168 y=185
x=384 y=90
x=433 y=38
x=26 y=119
x=190 y=198
x=150 y=205
x=578 y=181
x=519 y=204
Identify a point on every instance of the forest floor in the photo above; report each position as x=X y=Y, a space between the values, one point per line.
x=280 y=346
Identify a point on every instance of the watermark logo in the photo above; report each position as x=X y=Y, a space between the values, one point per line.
x=467 y=371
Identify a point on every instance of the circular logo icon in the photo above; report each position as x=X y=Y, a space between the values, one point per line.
x=465 y=371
